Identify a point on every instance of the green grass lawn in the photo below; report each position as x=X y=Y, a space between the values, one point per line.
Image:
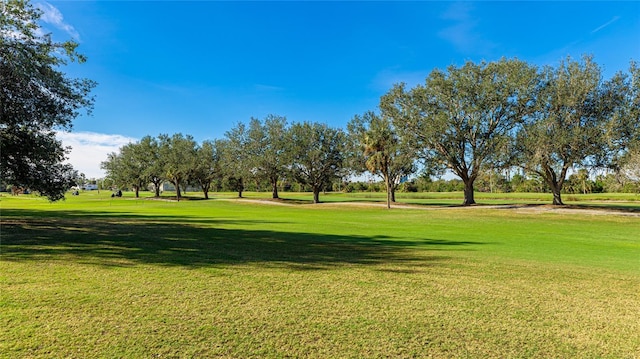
x=94 y=276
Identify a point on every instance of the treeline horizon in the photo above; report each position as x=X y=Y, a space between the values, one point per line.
x=494 y=183
x=549 y=126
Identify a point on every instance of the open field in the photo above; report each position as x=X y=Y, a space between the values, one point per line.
x=99 y=277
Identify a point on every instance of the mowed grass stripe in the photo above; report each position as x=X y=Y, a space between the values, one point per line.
x=216 y=278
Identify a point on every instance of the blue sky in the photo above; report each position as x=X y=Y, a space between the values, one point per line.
x=200 y=67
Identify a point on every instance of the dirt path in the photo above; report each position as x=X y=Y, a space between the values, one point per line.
x=521 y=208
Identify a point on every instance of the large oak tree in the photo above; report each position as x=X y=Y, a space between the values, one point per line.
x=154 y=162
x=268 y=149
x=318 y=155
x=235 y=158
x=178 y=153
x=574 y=108
x=462 y=118
x=127 y=167
x=206 y=165
x=36 y=99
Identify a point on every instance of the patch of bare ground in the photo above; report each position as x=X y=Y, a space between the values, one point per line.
x=171 y=199
x=548 y=208
x=522 y=208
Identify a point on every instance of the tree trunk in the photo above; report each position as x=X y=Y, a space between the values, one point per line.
x=274 y=185
x=557 y=197
x=555 y=182
x=387 y=184
x=177 y=185
x=137 y=189
x=205 y=190
x=316 y=195
x=156 y=185
x=468 y=193
x=240 y=187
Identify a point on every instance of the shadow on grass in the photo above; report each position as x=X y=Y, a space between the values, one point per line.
x=102 y=239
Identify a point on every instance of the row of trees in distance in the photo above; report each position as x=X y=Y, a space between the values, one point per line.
x=471 y=119
x=309 y=153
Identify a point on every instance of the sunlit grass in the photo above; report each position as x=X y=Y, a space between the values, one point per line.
x=99 y=277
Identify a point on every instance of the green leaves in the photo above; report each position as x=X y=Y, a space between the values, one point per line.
x=463 y=117
x=318 y=154
x=571 y=122
x=382 y=150
x=268 y=149
x=496 y=115
x=178 y=152
x=36 y=98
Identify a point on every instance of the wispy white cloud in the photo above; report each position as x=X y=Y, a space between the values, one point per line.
x=51 y=15
x=462 y=33
x=88 y=149
x=613 y=19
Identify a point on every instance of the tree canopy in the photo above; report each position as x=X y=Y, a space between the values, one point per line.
x=268 y=149
x=178 y=152
x=318 y=154
x=462 y=118
x=382 y=150
x=573 y=109
x=235 y=156
x=206 y=165
x=36 y=99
